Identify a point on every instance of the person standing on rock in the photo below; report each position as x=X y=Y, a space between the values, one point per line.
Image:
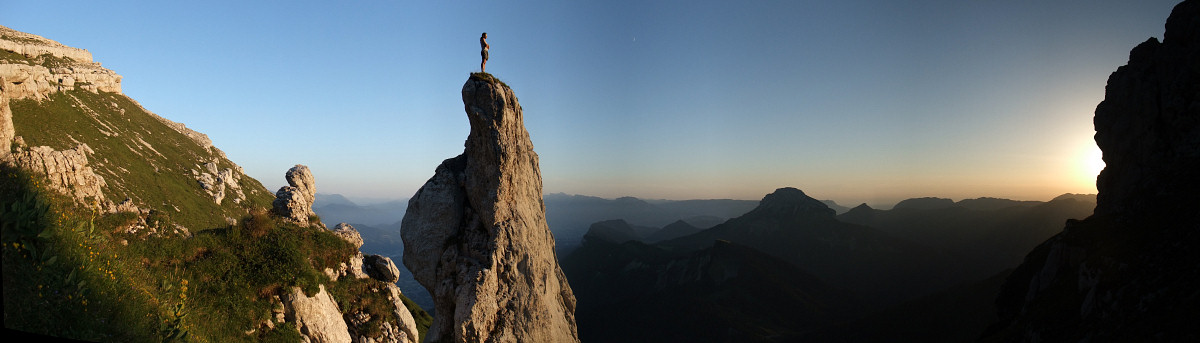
x=483 y=45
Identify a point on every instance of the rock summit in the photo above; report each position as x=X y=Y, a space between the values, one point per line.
x=475 y=235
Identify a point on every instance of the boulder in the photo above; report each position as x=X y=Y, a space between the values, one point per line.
x=318 y=317
x=381 y=268
x=348 y=233
x=294 y=202
x=408 y=325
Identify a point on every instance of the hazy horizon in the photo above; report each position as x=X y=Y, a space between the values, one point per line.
x=879 y=205
x=853 y=101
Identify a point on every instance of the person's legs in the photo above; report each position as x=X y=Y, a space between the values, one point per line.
x=483 y=65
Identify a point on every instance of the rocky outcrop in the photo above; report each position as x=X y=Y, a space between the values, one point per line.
x=402 y=331
x=7 y=132
x=405 y=330
x=215 y=182
x=355 y=266
x=317 y=317
x=67 y=171
x=294 y=202
x=1148 y=125
x=407 y=324
x=381 y=268
x=349 y=234
x=475 y=234
x=33 y=45
x=1128 y=272
x=69 y=68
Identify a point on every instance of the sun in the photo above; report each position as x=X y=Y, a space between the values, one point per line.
x=1090 y=163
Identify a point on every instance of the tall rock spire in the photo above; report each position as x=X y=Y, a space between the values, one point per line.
x=475 y=235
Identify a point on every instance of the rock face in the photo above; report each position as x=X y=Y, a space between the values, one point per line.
x=7 y=133
x=475 y=234
x=294 y=202
x=1128 y=272
x=215 y=182
x=349 y=234
x=317 y=317
x=355 y=266
x=67 y=171
x=70 y=68
x=1147 y=124
x=408 y=325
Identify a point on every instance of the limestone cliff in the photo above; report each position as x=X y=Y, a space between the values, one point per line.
x=64 y=68
x=67 y=171
x=475 y=234
x=1128 y=272
x=63 y=116
x=7 y=133
x=66 y=128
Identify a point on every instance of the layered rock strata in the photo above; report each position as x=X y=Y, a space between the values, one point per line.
x=71 y=68
x=475 y=234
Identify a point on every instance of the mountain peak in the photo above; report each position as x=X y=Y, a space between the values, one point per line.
x=926 y=203
x=791 y=201
x=610 y=231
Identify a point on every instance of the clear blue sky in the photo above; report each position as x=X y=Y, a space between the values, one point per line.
x=855 y=101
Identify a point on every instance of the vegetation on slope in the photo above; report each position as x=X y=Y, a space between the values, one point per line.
x=486 y=77
x=69 y=271
x=139 y=156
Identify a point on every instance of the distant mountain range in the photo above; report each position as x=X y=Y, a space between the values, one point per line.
x=881 y=271
x=335 y=208
x=986 y=235
x=724 y=292
x=878 y=261
x=570 y=216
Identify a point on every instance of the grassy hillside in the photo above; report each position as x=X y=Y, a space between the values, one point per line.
x=72 y=270
x=67 y=273
x=139 y=156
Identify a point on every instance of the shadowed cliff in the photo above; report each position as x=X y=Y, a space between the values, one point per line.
x=1128 y=272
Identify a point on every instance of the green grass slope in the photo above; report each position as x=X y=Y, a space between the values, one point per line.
x=139 y=156
x=72 y=271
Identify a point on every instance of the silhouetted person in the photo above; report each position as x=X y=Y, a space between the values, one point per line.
x=483 y=45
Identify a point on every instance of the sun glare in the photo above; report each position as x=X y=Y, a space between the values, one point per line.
x=1090 y=164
